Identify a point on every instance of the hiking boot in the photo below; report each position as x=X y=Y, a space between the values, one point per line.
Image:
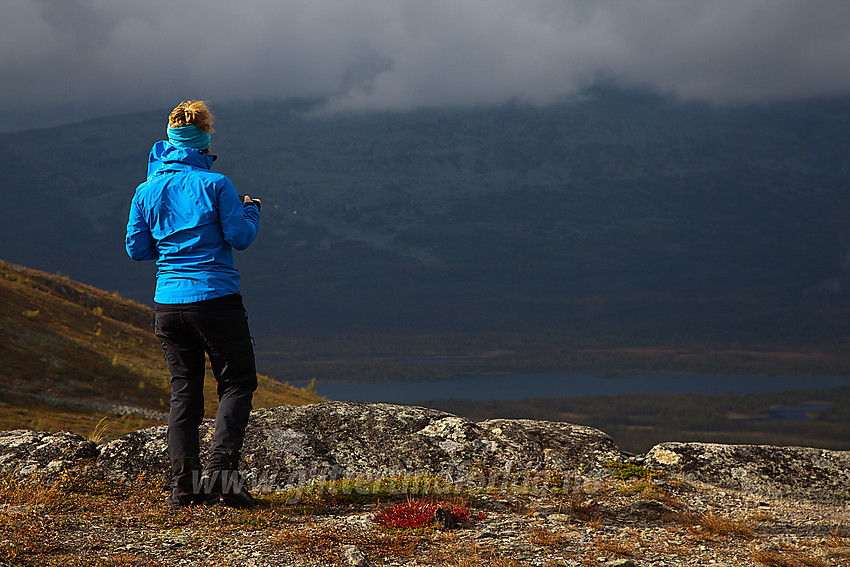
x=178 y=499
x=229 y=486
x=238 y=499
x=175 y=501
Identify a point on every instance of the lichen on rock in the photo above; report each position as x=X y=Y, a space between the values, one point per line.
x=292 y=444
x=296 y=445
x=797 y=472
x=25 y=453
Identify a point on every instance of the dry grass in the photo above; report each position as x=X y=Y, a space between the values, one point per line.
x=452 y=551
x=584 y=509
x=99 y=432
x=836 y=540
x=670 y=500
x=709 y=525
x=544 y=537
x=36 y=514
x=614 y=547
x=317 y=543
x=380 y=544
x=761 y=516
x=786 y=558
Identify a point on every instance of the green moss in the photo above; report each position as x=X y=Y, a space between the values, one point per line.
x=626 y=471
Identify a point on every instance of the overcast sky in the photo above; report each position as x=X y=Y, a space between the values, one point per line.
x=64 y=60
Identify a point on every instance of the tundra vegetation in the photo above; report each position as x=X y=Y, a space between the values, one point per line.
x=83 y=519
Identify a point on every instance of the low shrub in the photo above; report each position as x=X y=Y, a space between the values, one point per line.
x=418 y=514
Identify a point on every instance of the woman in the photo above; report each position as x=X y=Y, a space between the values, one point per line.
x=189 y=219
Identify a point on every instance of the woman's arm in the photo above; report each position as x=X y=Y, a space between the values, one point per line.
x=239 y=223
x=139 y=242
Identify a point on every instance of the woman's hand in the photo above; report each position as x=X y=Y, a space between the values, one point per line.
x=247 y=200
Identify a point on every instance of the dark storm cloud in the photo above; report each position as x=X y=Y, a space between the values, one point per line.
x=66 y=59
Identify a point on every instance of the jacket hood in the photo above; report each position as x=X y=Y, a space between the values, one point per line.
x=164 y=153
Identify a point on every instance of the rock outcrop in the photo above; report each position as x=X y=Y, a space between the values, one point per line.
x=25 y=453
x=288 y=445
x=793 y=472
x=292 y=445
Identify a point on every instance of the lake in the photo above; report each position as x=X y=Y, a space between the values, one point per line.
x=515 y=386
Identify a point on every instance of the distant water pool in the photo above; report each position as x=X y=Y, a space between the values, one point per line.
x=517 y=386
x=801 y=412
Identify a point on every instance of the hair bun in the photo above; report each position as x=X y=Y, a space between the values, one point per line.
x=192 y=113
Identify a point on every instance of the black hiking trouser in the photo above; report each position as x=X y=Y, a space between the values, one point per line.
x=218 y=328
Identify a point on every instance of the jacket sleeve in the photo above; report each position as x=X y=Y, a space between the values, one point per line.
x=239 y=223
x=139 y=242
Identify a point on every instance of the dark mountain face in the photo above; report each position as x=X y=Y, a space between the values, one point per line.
x=624 y=215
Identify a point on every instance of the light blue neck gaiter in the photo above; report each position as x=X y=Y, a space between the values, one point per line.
x=189 y=137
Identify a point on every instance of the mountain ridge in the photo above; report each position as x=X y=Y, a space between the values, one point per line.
x=620 y=219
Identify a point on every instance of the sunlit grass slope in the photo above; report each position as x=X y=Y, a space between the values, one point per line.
x=71 y=354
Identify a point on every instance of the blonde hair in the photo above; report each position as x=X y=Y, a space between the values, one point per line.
x=192 y=112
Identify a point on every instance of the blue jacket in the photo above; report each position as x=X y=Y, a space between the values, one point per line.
x=188 y=219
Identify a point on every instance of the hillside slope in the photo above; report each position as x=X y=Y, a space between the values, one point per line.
x=71 y=354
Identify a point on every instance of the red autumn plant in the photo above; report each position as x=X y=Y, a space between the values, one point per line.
x=417 y=514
